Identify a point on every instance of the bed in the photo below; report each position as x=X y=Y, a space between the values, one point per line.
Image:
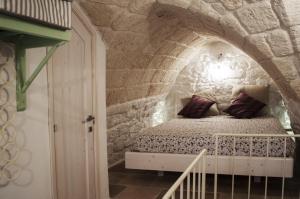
x=171 y=146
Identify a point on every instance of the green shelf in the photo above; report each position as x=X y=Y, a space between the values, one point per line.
x=26 y=35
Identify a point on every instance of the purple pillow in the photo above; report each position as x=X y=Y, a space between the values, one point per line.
x=197 y=107
x=244 y=106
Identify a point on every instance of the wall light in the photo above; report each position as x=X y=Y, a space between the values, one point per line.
x=159 y=115
x=219 y=69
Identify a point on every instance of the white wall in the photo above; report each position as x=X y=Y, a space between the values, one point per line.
x=32 y=127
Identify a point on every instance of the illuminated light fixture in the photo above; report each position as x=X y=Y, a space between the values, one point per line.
x=220 y=69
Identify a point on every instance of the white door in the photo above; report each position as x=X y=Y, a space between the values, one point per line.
x=72 y=115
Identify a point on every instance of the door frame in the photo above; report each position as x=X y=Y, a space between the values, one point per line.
x=99 y=109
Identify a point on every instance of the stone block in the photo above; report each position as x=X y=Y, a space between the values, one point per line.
x=171 y=49
x=134 y=77
x=178 y=3
x=121 y=3
x=109 y=148
x=295 y=84
x=192 y=21
x=156 y=62
x=148 y=75
x=234 y=32
x=199 y=42
x=258 y=17
x=232 y=4
x=142 y=7
x=116 y=109
x=170 y=76
x=288 y=11
x=159 y=31
x=107 y=35
x=116 y=96
x=101 y=14
x=257 y=47
x=116 y=78
x=138 y=59
x=286 y=88
x=271 y=68
x=208 y=16
x=211 y=1
x=137 y=92
x=166 y=88
x=188 y=54
x=131 y=22
x=169 y=63
x=219 y=8
x=116 y=59
x=119 y=145
x=158 y=76
x=280 y=42
x=184 y=36
x=128 y=41
x=287 y=66
x=115 y=120
x=295 y=35
x=155 y=89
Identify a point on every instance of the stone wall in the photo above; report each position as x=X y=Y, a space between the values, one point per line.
x=150 y=41
x=216 y=70
x=125 y=120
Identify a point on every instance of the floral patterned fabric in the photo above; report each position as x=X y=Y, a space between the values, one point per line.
x=190 y=136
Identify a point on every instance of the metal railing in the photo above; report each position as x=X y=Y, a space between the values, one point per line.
x=251 y=138
x=196 y=171
x=200 y=161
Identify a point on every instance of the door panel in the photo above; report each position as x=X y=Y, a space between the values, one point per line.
x=72 y=103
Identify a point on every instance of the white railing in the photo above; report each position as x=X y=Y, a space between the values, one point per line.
x=251 y=136
x=200 y=160
x=197 y=169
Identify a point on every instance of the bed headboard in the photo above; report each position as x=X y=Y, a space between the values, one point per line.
x=55 y=13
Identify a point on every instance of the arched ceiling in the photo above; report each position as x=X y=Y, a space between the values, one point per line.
x=150 y=41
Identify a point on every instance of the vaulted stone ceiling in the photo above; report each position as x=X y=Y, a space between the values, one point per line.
x=150 y=41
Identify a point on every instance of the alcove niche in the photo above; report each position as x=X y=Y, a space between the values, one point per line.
x=214 y=71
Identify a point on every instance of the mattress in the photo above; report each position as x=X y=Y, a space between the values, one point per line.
x=190 y=136
x=55 y=13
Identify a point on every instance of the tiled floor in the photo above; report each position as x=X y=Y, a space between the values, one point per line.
x=139 y=184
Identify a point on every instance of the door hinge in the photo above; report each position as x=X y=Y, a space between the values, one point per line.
x=54 y=128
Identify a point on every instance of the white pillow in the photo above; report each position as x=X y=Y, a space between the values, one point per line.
x=258 y=92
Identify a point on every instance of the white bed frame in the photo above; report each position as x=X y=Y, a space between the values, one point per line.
x=229 y=165
x=216 y=164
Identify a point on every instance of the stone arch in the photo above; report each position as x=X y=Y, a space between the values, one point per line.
x=148 y=41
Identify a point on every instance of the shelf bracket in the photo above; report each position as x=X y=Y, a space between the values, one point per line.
x=23 y=83
x=26 y=35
